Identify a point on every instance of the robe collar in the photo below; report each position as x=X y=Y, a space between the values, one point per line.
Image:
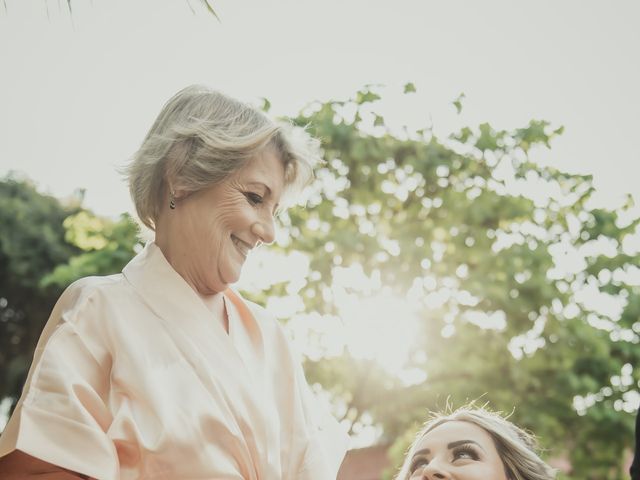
x=170 y=297
x=167 y=294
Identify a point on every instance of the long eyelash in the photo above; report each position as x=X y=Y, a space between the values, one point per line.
x=416 y=463
x=466 y=449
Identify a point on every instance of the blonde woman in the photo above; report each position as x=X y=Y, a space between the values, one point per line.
x=473 y=444
x=163 y=371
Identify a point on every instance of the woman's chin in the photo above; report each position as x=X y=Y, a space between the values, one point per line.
x=231 y=277
x=216 y=285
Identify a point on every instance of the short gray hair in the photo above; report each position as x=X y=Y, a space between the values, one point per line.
x=201 y=137
x=516 y=447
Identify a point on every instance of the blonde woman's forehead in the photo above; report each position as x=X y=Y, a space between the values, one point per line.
x=455 y=431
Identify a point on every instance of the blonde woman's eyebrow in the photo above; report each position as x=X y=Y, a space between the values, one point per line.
x=457 y=443
x=424 y=451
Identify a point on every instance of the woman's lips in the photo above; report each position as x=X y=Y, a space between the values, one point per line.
x=242 y=246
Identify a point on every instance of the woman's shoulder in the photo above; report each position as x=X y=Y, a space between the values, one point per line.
x=89 y=293
x=86 y=285
x=85 y=311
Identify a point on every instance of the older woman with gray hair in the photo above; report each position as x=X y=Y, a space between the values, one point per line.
x=164 y=371
x=473 y=444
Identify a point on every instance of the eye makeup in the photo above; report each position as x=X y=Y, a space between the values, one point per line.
x=460 y=450
x=465 y=451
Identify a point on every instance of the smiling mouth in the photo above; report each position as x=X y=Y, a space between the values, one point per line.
x=242 y=247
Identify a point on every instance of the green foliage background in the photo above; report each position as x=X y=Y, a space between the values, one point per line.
x=437 y=214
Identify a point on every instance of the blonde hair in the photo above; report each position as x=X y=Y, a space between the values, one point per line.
x=201 y=137
x=516 y=447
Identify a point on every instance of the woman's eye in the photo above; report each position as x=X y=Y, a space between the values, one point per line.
x=253 y=198
x=467 y=453
x=418 y=464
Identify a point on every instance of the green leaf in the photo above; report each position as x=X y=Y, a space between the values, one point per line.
x=366 y=96
x=266 y=104
x=458 y=102
x=409 y=88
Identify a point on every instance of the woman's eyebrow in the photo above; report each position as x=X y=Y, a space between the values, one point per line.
x=457 y=443
x=260 y=184
x=424 y=451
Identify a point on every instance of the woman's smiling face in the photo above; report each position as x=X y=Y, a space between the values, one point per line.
x=211 y=232
x=457 y=450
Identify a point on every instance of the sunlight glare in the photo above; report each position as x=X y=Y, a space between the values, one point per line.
x=381 y=327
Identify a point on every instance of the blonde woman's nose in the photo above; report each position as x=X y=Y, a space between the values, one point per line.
x=433 y=472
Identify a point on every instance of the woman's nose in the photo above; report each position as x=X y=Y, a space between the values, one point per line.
x=265 y=229
x=434 y=472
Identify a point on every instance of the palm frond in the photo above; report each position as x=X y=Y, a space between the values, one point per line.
x=190 y=7
x=210 y=8
x=206 y=4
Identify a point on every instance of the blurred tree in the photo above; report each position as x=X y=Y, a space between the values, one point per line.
x=106 y=245
x=482 y=236
x=45 y=246
x=509 y=263
x=32 y=243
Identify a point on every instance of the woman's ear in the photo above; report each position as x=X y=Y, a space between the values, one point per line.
x=179 y=194
x=173 y=188
x=172 y=193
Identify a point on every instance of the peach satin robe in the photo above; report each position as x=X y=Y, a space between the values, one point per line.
x=133 y=378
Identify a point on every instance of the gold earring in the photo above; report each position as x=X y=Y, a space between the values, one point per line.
x=172 y=200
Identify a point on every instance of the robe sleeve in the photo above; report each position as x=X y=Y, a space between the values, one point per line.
x=325 y=453
x=327 y=442
x=62 y=417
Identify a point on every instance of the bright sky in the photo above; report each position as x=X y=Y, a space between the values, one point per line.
x=77 y=94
